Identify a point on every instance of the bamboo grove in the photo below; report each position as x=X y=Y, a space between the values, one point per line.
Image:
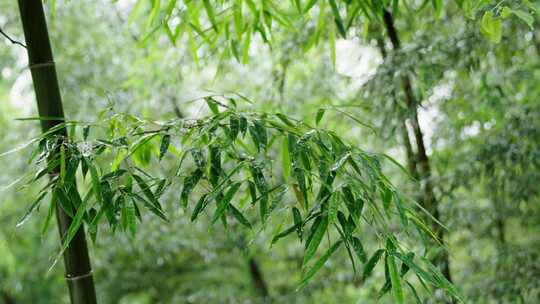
x=98 y=175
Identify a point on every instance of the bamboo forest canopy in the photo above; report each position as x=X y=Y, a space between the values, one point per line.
x=227 y=27
x=259 y=151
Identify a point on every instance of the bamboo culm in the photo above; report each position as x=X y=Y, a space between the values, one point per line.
x=420 y=161
x=76 y=258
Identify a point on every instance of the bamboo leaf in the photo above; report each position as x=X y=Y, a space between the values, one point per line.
x=315 y=239
x=62 y=163
x=396 y=281
x=164 y=146
x=72 y=230
x=224 y=203
x=297 y=217
x=199 y=207
x=309 y=5
x=33 y=206
x=211 y=14
x=189 y=184
x=239 y=216
x=337 y=18
x=359 y=249
x=284 y=233
x=285 y=159
x=212 y=104
x=96 y=184
x=64 y=201
x=319 y=116
x=147 y=191
x=320 y=262
x=370 y=265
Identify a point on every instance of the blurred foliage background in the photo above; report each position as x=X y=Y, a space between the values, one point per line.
x=478 y=108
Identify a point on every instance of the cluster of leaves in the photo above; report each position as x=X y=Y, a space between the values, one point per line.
x=327 y=186
x=228 y=26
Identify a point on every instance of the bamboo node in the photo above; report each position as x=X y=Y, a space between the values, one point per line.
x=82 y=276
x=41 y=65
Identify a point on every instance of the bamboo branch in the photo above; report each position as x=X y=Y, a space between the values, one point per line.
x=11 y=39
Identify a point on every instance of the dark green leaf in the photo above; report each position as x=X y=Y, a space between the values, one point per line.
x=199 y=207
x=147 y=191
x=320 y=114
x=189 y=183
x=239 y=216
x=224 y=203
x=337 y=18
x=370 y=265
x=359 y=249
x=315 y=240
x=164 y=146
x=395 y=279
x=320 y=262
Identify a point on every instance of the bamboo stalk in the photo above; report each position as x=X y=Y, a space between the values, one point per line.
x=76 y=260
x=421 y=161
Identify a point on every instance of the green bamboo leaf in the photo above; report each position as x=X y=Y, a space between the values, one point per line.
x=150 y=207
x=395 y=279
x=245 y=47
x=211 y=14
x=416 y=297
x=337 y=18
x=199 y=207
x=320 y=262
x=147 y=191
x=96 y=184
x=212 y=104
x=33 y=206
x=370 y=265
x=332 y=42
x=408 y=260
x=50 y=213
x=224 y=203
x=359 y=249
x=285 y=159
x=491 y=27
x=64 y=201
x=298 y=5
x=238 y=19
x=258 y=134
x=315 y=239
x=123 y=213
x=297 y=217
x=285 y=120
x=234 y=126
x=309 y=5
x=319 y=116
x=164 y=146
x=131 y=218
x=114 y=174
x=401 y=209
x=239 y=216
x=262 y=186
x=284 y=233
x=189 y=184
x=62 y=163
x=72 y=230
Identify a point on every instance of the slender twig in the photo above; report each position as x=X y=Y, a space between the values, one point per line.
x=10 y=39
